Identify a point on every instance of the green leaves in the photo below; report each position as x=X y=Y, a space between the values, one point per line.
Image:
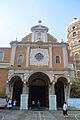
x=75 y=89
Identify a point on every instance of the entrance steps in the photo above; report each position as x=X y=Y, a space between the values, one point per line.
x=36 y=109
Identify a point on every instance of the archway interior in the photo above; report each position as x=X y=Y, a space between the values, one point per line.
x=59 y=91
x=38 y=90
x=38 y=93
x=17 y=89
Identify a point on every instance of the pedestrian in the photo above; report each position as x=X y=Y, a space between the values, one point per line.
x=65 y=108
x=33 y=104
x=10 y=104
x=7 y=102
x=14 y=104
x=38 y=104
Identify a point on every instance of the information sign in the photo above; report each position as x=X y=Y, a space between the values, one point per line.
x=73 y=103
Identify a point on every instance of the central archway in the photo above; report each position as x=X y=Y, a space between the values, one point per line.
x=38 y=89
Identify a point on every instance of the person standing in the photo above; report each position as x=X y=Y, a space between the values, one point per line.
x=33 y=104
x=10 y=104
x=7 y=102
x=14 y=104
x=38 y=104
x=65 y=108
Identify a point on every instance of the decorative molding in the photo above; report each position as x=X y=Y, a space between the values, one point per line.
x=4 y=66
x=10 y=74
x=34 y=61
x=5 y=63
x=26 y=76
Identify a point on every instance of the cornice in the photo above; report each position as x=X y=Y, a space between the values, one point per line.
x=57 y=44
x=40 y=69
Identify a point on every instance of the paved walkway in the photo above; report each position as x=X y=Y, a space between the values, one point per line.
x=37 y=115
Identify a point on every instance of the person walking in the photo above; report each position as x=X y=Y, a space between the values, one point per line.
x=65 y=108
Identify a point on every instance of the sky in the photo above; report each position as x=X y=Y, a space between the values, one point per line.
x=18 y=16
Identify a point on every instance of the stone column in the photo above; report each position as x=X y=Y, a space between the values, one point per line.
x=13 y=55
x=68 y=90
x=52 y=90
x=24 y=88
x=11 y=91
x=7 y=89
x=65 y=92
x=50 y=50
x=27 y=56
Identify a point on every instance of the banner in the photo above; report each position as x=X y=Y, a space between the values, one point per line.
x=73 y=103
x=2 y=102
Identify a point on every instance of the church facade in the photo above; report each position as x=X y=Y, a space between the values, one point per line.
x=38 y=66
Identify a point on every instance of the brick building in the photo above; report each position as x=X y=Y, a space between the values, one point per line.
x=38 y=66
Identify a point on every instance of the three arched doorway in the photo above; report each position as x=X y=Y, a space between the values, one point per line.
x=60 y=91
x=38 y=89
x=17 y=86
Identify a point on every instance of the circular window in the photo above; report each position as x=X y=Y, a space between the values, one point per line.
x=39 y=56
x=79 y=41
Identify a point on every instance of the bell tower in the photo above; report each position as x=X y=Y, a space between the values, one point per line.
x=74 y=44
x=74 y=37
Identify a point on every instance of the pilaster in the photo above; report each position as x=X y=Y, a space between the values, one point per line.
x=33 y=37
x=65 y=57
x=27 y=56
x=13 y=55
x=50 y=50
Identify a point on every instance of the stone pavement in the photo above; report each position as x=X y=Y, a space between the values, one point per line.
x=37 y=115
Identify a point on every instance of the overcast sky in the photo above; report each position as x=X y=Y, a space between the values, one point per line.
x=18 y=16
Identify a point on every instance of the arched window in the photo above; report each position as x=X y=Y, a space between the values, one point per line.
x=1 y=56
x=74 y=34
x=57 y=59
x=73 y=27
x=79 y=41
x=20 y=59
x=39 y=36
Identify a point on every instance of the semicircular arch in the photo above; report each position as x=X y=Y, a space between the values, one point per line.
x=64 y=79
x=42 y=76
x=14 y=77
